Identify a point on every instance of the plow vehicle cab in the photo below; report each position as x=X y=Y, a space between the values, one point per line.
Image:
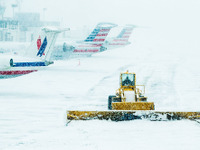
x=129 y=96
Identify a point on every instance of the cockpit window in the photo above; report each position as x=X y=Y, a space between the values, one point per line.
x=128 y=79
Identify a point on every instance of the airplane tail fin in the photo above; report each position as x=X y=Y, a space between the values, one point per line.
x=123 y=37
x=42 y=46
x=126 y=32
x=100 y=33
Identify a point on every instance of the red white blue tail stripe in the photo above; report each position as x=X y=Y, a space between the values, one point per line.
x=100 y=33
x=123 y=37
x=95 y=40
x=42 y=47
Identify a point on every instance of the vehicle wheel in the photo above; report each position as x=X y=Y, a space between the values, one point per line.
x=110 y=101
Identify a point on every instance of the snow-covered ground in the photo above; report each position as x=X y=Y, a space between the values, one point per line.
x=33 y=107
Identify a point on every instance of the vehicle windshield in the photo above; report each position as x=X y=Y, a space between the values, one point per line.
x=128 y=80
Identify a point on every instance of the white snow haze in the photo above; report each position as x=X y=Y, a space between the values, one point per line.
x=164 y=53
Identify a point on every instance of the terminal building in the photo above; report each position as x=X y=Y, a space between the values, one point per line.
x=22 y=26
x=9 y=30
x=8 y=27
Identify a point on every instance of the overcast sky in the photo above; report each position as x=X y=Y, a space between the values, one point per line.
x=141 y=12
x=174 y=19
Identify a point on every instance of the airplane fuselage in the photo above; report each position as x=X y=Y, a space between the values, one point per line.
x=10 y=69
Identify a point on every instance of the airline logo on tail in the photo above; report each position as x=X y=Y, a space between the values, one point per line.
x=39 y=43
x=100 y=33
x=41 y=47
x=125 y=33
x=95 y=40
x=122 y=38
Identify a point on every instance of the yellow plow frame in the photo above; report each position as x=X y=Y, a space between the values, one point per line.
x=133 y=106
x=121 y=115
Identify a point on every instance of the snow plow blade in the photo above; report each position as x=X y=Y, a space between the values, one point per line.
x=121 y=115
x=133 y=106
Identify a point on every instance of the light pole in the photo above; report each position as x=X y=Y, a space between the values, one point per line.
x=44 y=9
x=14 y=6
x=2 y=10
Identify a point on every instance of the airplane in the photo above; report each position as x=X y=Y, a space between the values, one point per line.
x=121 y=39
x=95 y=43
x=91 y=45
x=36 y=57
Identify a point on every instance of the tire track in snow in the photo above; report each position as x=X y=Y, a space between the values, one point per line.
x=158 y=80
x=162 y=87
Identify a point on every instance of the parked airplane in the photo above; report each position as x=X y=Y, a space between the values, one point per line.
x=121 y=39
x=95 y=42
x=35 y=57
x=91 y=45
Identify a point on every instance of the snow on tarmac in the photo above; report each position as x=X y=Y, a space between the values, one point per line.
x=33 y=107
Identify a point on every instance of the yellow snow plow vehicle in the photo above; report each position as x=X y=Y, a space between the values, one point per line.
x=129 y=103
x=129 y=96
